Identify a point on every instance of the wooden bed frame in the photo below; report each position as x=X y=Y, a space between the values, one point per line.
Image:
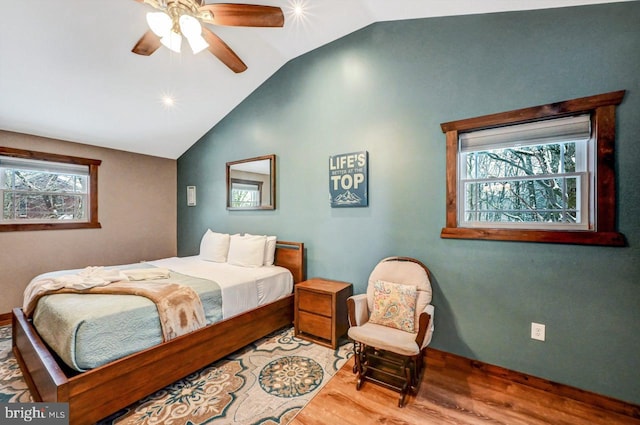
x=100 y=392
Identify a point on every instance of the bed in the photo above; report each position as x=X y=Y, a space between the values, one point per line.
x=101 y=391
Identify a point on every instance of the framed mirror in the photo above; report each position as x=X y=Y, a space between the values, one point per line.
x=251 y=183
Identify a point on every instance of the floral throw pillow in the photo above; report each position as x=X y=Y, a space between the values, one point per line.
x=394 y=305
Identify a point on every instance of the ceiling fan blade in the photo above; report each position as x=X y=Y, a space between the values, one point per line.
x=222 y=51
x=243 y=15
x=147 y=44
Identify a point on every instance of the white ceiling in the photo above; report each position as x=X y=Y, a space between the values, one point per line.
x=67 y=71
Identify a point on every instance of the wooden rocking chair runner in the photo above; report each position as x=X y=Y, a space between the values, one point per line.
x=392 y=324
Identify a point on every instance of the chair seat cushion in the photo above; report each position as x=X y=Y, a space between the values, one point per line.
x=385 y=338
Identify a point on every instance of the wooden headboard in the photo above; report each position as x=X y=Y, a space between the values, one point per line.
x=291 y=256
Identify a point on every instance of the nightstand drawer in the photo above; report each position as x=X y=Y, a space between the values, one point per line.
x=315 y=302
x=314 y=324
x=320 y=312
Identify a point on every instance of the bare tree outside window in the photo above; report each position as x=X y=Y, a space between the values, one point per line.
x=539 y=174
x=245 y=193
x=40 y=195
x=531 y=184
x=41 y=191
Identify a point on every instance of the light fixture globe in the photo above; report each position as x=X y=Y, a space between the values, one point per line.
x=197 y=44
x=159 y=22
x=189 y=26
x=192 y=30
x=172 y=41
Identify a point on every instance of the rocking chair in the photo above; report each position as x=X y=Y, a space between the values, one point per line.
x=392 y=324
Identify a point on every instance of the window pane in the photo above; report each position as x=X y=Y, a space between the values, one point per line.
x=25 y=180
x=530 y=184
x=570 y=159
x=32 y=206
x=550 y=200
x=245 y=193
x=42 y=195
x=521 y=161
x=470 y=161
x=244 y=198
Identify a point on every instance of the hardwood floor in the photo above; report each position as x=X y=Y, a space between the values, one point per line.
x=450 y=393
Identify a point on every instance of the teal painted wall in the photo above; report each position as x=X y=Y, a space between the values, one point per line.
x=386 y=89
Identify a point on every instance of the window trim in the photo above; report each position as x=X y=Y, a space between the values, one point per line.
x=93 y=164
x=602 y=108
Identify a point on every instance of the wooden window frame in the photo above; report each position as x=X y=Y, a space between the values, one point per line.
x=93 y=164
x=602 y=109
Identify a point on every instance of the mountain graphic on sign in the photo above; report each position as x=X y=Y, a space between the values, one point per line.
x=347 y=198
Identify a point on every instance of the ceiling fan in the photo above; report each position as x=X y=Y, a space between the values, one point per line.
x=177 y=18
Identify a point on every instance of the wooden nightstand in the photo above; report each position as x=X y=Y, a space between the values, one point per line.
x=321 y=310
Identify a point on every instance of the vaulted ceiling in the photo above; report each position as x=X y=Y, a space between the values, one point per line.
x=67 y=71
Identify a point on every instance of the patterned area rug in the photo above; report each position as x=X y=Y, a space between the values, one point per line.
x=267 y=382
x=13 y=389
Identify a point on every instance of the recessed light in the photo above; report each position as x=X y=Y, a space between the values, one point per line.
x=168 y=101
x=298 y=9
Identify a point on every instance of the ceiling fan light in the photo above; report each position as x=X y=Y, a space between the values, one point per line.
x=197 y=43
x=190 y=26
x=172 y=41
x=159 y=22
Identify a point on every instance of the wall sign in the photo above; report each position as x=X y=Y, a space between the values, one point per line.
x=348 y=179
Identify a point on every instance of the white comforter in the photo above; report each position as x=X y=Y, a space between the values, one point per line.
x=243 y=288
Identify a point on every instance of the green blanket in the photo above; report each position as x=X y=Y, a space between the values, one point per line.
x=89 y=330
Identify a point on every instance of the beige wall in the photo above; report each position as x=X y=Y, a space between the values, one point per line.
x=136 y=207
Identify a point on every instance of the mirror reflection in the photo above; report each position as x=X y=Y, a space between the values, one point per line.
x=251 y=183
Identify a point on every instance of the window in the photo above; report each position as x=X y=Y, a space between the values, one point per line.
x=41 y=191
x=541 y=174
x=526 y=176
x=246 y=193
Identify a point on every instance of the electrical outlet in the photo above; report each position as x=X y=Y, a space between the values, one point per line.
x=537 y=331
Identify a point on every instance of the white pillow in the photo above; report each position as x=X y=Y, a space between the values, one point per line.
x=214 y=246
x=246 y=251
x=269 y=249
